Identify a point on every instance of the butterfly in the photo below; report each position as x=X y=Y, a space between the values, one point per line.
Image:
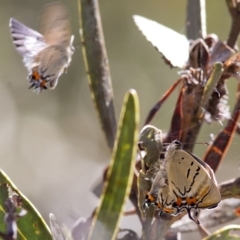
x=191 y=182
x=47 y=55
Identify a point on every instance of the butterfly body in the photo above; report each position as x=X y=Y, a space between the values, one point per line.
x=46 y=56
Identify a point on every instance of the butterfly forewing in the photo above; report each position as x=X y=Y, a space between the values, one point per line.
x=54 y=25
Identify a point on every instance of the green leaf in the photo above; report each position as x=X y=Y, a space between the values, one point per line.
x=120 y=173
x=97 y=67
x=31 y=226
x=210 y=86
x=225 y=233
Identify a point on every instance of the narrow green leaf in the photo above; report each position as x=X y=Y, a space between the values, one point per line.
x=210 y=86
x=225 y=233
x=97 y=67
x=120 y=173
x=31 y=226
x=3 y=198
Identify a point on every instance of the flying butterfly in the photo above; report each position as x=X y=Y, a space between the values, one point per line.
x=192 y=184
x=47 y=55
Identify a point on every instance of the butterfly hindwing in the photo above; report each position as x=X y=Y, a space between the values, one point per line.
x=191 y=179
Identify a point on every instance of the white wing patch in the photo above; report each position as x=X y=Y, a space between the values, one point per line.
x=173 y=45
x=27 y=41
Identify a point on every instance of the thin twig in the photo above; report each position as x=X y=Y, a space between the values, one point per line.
x=230 y=189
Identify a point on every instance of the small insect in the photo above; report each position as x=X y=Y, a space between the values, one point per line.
x=47 y=55
x=150 y=140
x=191 y=182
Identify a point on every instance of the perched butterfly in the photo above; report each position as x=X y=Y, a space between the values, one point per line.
x=47 y=55
x=191 y=181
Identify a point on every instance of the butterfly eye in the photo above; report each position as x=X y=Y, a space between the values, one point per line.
x=178 y=144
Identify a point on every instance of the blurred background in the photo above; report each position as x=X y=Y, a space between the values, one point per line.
x=51 y=144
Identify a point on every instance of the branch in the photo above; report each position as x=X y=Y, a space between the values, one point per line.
x=196 y=19
x=234 y=10
x=230 y=189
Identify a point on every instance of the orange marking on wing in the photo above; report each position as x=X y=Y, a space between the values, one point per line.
x=43 y=83
x=159 y=205
x=36 y=76
x=191 y=201
x=179 y=201
x=217 y=150
x=168 y=210
x=150 y=198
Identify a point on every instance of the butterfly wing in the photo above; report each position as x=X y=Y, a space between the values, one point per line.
x=165 y=201
x=51 y=63
x=55 y=25
x=173 y=46
x=54 y=60
x=214 y=196
x=27 y=41
x=190 y=179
